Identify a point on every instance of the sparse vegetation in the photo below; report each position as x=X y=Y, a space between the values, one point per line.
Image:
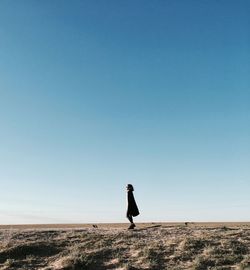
x=155 y=248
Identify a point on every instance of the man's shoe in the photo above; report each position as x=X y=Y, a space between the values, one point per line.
x=131 y=227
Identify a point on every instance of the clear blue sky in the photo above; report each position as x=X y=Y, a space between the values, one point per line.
x=98 y=94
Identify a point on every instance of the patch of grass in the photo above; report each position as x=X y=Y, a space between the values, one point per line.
x=245 y=263
x=192 y=244
x=128 y=266
x=202 y=263
x=24 y=250
x=154 y=256
x=88 y=261
x=9 y=263
x=172 y=248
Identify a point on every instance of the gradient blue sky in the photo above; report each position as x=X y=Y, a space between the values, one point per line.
x=98 y=94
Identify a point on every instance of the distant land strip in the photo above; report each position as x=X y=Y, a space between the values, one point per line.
x=120 y=225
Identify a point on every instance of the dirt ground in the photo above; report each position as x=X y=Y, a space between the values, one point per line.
x=153 y=246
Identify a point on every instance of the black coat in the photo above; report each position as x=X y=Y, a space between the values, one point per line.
x=132 y=207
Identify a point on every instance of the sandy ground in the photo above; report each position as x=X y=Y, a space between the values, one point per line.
x=111 y=246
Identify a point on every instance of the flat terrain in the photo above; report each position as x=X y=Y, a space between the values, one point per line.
x=153 y=246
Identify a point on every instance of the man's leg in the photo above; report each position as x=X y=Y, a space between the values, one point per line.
x=130 y=218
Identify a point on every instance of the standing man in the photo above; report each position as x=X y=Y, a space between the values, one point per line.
x=132 y=210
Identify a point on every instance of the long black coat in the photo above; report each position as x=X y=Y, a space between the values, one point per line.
x=132 y=207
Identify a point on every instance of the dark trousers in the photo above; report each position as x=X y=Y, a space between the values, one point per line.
x=130 y=217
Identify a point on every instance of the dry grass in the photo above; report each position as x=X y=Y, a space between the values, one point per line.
x=166 y=246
